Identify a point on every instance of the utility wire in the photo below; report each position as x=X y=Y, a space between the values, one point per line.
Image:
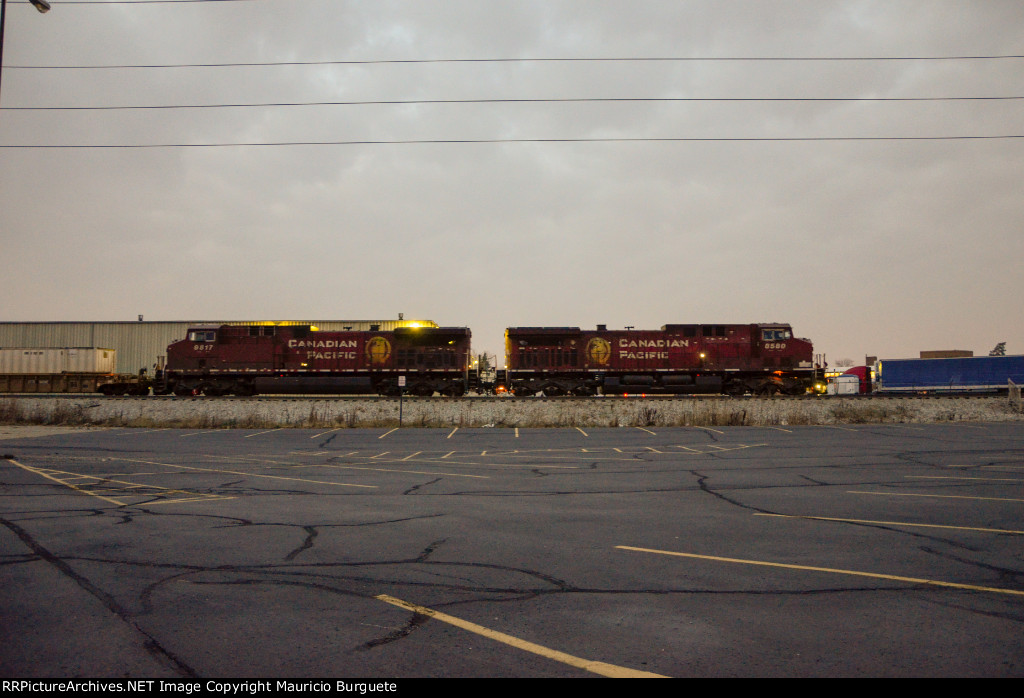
x=557 y=100
x=66 y=3
x=421 y=61
x=518 y=140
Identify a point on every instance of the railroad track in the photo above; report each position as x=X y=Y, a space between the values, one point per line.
x=491 y=398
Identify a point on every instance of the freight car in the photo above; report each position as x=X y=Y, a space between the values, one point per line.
x=763 y=359
x=57 y=369
x=956 y=375
x=299 y=359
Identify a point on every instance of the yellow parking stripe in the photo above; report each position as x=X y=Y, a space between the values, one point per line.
x=939 y=496
x=249 y=436
x=808 y=568
x=896 y=523
x=124 y=488
x=391 y=470
x=600 y=668
x=242 y=472
x=963 y=477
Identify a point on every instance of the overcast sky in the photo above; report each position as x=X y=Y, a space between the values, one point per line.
x=881 y=247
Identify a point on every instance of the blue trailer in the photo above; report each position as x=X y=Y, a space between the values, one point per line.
x=973 y=374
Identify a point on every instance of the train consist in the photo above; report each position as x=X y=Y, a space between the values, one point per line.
x=298 y=359
x=763 y=359
x=748 y=359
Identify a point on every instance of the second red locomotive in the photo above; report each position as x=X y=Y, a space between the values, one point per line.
x=254 y=359
x=732 y=359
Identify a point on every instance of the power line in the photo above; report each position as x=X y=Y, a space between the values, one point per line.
x=68 y=3
x=420 y=61
x=557 y=100
x=468 y=141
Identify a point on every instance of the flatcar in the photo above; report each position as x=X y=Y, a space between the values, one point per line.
x=762 y=359
x=299 y=359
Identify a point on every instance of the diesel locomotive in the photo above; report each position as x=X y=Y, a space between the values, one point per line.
x=763 y=359
x=298 y=359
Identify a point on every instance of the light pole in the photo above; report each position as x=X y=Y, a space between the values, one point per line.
x=41 y=5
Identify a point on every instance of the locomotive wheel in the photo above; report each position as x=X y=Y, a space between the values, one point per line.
x=736 y=388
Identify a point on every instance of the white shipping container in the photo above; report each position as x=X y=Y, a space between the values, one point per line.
x=63 y=360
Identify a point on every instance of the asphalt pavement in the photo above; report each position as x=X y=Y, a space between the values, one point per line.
x=862 y=550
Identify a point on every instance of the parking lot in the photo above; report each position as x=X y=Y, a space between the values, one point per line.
x=867 y=550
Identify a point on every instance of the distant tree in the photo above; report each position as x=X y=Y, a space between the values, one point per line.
x=844 y=363
x=483 y=363
x=1000 y=350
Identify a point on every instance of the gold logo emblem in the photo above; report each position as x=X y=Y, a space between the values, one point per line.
x=598 y=351
x=378 y=351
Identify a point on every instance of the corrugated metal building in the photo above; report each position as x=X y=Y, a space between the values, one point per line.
x=144 y=344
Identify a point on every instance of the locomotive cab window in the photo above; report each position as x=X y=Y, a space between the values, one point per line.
x=775 y=335
x=202 y=336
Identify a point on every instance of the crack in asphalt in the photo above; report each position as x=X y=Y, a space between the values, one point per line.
x=414 y=488
x=306 y=544
x=150 y=643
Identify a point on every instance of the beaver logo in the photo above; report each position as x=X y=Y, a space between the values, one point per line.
x=378 y=351
x=599 y=351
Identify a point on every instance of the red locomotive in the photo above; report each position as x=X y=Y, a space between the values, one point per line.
x=732 y=359
x=254 y=359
